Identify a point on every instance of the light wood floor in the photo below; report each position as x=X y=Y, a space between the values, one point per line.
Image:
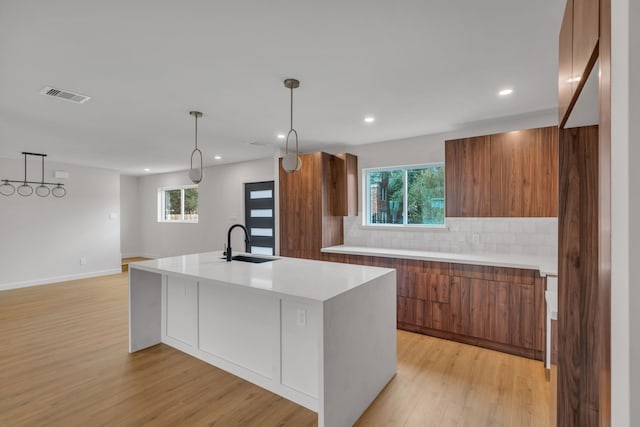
x=64 y=362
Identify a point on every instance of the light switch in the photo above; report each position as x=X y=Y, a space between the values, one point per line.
x=301 y=317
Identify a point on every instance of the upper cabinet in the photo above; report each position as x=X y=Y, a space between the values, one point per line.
x=312 y=202
x=578 y=50
x=468 y=177
x=513 y=174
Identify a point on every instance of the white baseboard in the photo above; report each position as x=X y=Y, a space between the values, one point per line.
x=56 y=279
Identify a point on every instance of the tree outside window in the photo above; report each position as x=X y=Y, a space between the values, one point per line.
x=406 y=196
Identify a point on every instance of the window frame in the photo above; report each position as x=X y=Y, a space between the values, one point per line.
x=366 y=203
x=162 y=198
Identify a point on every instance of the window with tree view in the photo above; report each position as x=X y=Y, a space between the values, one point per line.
x=412 y=195
x=178 y=204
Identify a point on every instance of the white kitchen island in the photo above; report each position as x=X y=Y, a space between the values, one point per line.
x=317 y=333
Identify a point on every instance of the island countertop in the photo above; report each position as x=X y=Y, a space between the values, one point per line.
x=314 y=280
x=546 y=265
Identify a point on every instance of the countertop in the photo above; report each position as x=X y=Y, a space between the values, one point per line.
x=546 y=265
x=314 y=280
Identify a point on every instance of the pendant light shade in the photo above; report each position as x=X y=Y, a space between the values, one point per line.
x=291 y=162
x=196 y=174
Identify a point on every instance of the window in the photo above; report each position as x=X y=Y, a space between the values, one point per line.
x=178 y=204
x=412 y=195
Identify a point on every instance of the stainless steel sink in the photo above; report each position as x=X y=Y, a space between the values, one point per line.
x=253 y=259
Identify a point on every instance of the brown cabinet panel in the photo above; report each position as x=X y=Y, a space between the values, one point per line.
x=467 y=175
x=312 y=203
x=497 y=274
x=460 y=306
x=523 y=316
x=350 y=183
x=565 y=65
x=440 y=316
x=586 y=32
x=524 y=173
x=580 y=347
x=438 y=287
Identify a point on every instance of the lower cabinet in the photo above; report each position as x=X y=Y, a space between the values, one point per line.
x=493 y=307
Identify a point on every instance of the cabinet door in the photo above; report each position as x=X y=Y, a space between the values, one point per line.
x=460 y=309
x=522 y=316
x=524 y=173
x=468 y=174
x=182 y=304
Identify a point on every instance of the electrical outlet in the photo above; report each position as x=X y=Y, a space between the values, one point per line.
x=83 y=261
x=475 y=238
x=301 y=317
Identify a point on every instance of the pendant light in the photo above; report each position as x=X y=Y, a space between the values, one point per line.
x=196 y=174
x=291 y=162
x=24 y=189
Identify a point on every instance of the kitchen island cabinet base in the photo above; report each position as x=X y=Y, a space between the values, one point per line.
x=332 y=356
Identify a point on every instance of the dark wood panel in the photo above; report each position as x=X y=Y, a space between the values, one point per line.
x=497 y=274
x=460 y=307
x=467 y=175
x=579 y=346
x=586 y=33
x=312 y=204
x=524 y=173
x=523 y=316
x=440 y=316
x=351 y=186
x=299 y=208
x=565 y=65
x=604 y=212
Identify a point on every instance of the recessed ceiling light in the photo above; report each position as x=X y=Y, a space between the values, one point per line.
x=217 y=157
x=147 y=170
x=281 y=136
x=505 y=92
x=369 y=119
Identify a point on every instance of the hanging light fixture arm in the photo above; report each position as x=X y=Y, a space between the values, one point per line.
x=22 y=181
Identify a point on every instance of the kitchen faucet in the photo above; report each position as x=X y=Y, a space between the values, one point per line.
x=247 y=240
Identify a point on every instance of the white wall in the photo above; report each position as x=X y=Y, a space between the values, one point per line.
x=220 y=205
x=625 y=211
x=129 y=217
x=524 y=235
x=43 y=239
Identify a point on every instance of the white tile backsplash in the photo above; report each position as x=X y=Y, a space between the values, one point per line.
x=529 y=236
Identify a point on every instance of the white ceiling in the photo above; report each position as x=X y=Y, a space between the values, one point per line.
x=419 y=67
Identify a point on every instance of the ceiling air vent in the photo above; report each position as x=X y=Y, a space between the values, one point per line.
x=64 y=94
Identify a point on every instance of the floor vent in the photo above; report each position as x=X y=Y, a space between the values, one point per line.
x=65 y=95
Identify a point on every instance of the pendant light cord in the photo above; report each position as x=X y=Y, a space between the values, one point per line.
x=196 y=131
x=291 y=109
x=25 y=169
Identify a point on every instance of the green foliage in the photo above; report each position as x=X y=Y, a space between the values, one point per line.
x=191 y=201
x=426 y=195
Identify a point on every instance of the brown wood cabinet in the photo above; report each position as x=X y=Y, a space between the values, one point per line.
x=513 y=174
x=312 y=204
x=578 y=49
x=468 y=177
x=524 y=173
x=493 y=307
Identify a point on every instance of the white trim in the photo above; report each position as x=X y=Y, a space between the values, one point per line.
x=56 y=279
